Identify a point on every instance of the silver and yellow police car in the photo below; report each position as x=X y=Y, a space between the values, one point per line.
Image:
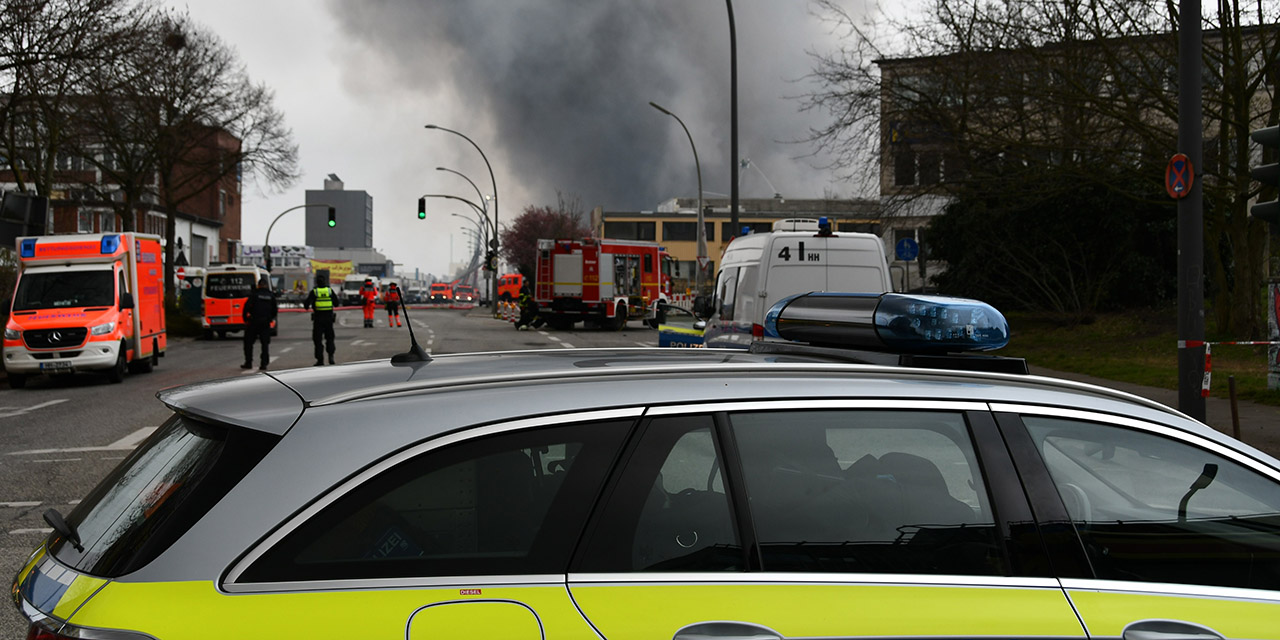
x=862 y=475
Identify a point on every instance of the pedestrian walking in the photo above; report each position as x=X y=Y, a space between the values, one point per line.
x=320 y=302
x=369 y=296
x=259 y=312
x=392 y=300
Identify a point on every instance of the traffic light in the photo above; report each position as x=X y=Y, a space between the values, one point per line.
x=1267 y=173
x=491 y=260
x=422 y=208
x=333 y=217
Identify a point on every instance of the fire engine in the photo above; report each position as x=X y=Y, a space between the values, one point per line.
x=86 y=303
x=441 y=293
x=599 y=280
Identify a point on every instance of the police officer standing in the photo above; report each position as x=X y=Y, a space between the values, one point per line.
x=259 y=312
x=320 y=301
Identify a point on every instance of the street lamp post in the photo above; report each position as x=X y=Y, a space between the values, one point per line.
x=266 y=247
x=700 y=280
x=733 y=120
x=493 y=242
x=492 y=286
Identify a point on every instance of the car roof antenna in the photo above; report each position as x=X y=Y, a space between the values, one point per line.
x=415 y=353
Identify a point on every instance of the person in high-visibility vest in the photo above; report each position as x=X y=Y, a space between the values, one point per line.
x=369 y=294
x=392 y=300
x=320 y=302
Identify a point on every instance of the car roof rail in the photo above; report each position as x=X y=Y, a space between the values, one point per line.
x=953 y=362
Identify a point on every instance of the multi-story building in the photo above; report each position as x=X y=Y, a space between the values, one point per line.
x=354 y=211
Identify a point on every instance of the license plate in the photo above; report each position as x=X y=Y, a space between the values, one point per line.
x=56 y=365
x=217 y=320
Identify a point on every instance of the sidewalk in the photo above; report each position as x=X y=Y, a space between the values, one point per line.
x=1259 y=423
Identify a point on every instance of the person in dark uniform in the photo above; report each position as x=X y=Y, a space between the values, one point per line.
x=259 y=312
x=320 y=302
x=528 y=311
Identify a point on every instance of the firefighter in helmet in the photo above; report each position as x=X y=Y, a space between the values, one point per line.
x=392 y=301
x=369 y=296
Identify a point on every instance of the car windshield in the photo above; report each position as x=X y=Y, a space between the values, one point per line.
x=156 y=494
x=228 y=285
x=66 y=289
x=352 y=286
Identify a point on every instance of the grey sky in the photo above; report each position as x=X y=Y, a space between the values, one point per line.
x=555 y=91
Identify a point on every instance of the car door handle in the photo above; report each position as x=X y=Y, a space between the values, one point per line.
x=726 y=631
x=1168 y=630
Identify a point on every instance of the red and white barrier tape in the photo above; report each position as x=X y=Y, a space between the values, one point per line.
x=1208 y=359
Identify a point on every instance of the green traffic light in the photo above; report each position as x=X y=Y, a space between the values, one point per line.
x=333 y=223
x=422 y=215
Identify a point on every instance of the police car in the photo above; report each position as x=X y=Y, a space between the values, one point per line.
x=869 y=483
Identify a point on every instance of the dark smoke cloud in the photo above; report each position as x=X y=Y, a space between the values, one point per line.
x=560 y=88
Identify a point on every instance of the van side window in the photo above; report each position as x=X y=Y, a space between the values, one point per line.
x=747 y=289
x=726 y=292
x=121 y=288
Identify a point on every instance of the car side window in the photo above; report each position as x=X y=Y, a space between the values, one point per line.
x=508 y=504
x=867 y=491
x=1153 y=509
x=746 y=293
x=668 y=511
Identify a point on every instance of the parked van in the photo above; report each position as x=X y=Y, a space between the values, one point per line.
x=86 y=303
x=351 y=286
x=798 y=256
x=226 y=290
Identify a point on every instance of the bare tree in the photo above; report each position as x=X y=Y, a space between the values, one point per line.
x=215 y=126
x=46 y=49
x=977 y=93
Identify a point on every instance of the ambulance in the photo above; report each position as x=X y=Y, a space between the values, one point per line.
x=86 y=303
x=226 y=290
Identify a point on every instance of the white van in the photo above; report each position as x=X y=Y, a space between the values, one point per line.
x=798 y=256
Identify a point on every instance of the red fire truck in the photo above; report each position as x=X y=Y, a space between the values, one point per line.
x=599 y=280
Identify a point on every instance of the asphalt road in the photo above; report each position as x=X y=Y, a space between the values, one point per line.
x=59 y=436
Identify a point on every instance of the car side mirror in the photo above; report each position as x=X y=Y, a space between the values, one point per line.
x=702 y=307
x=126 y=301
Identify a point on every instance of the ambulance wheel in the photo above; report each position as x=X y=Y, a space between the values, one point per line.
x=17 y=380
x=116 y=374
x=144 y=365
x=208 y=334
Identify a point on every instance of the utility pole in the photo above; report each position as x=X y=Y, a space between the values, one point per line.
x=1190 y=216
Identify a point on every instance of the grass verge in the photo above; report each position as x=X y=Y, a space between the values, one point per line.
x=1134 y=346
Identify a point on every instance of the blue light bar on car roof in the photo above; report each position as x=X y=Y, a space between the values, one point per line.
x=890 y=321
x=110 y=244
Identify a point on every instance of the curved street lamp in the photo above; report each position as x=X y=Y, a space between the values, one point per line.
x=700 y=280
x=733 y=120
x=266 y=246
x=493 y=242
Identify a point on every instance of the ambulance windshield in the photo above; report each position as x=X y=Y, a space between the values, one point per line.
x=64 y=290
x=228 y=285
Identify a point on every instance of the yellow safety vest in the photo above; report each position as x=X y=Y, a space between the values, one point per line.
x=324 y=299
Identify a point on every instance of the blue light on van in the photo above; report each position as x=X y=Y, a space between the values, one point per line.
x=110 y=244
x=890 y=321
x=28 y=247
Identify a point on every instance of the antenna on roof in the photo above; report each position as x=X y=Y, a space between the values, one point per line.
x=415 y=353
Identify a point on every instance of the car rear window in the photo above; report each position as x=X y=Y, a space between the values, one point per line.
x=157 y=494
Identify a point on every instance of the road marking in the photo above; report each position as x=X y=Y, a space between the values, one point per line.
x=544 y=333
x=21 y=532
x=285 y=350
x=20 y=505
x=9 y=412
x=646 y=344
x=430 y=342
x=566 y=345
x=59 y=460
x=359 y=341
x=123 y=444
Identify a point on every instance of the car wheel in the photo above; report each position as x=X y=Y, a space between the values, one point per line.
x=222 y=334
x=17 y=380
x=116 y=374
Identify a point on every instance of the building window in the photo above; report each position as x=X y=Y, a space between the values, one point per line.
x=222 y=203
x=106 y=221
x=631 y=230
x=685 y=231
x=930 y=167
x=84 y=222
x=859 y=227
x=155 y=223
x=904 y=168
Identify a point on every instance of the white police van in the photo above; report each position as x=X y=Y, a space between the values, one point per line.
x=799 y=256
